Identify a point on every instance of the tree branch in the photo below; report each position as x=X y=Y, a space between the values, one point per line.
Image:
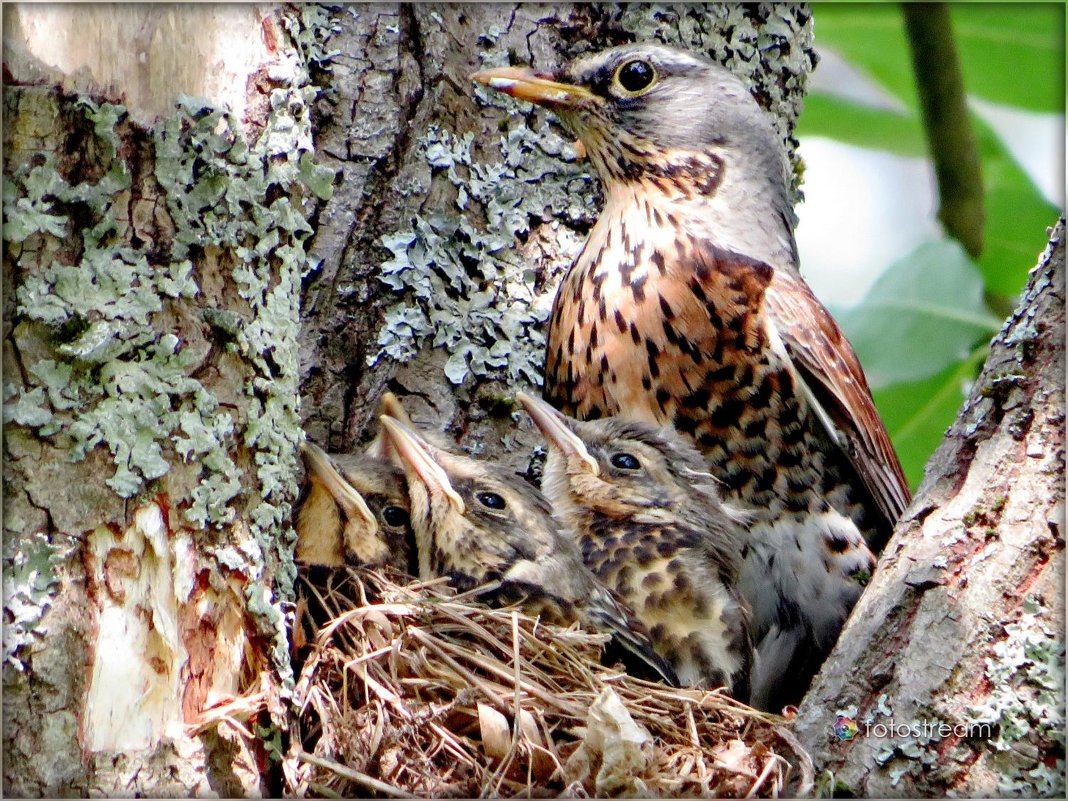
x=950 y=137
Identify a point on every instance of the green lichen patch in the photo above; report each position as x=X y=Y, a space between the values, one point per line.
x=310 y=27
x=190 y=214
x=463 y=286
x=112 y=374
x=31 y=581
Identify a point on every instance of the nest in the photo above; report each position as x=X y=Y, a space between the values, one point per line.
x=406 y=690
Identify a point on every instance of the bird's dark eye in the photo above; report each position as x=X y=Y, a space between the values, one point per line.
x=395 y=516
x=625 y=461
x=636 y=76
x=491 y=500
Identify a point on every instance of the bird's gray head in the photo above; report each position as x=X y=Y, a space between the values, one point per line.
x=642 y=108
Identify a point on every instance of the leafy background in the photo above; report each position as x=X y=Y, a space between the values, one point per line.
x=923 y=328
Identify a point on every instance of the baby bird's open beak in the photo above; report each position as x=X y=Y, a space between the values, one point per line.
x=319 y=465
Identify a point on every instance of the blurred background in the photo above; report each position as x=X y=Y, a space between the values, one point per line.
x=919 y=308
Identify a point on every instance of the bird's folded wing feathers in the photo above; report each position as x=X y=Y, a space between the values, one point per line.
x=827 y=363
x=634 y=649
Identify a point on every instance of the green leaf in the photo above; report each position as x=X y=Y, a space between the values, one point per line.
x=925 y=313
x=864 y=126
x=1016 y=216
x=1012 y=53
x=872 y=38
x=918 y=413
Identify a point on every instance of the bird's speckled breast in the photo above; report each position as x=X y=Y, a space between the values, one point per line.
x=691 y=616
x=659 y=325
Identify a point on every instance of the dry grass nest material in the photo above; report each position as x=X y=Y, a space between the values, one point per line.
x=409 y=691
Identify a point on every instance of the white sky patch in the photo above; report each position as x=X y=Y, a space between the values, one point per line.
x=1035 y=139
x=863 y=210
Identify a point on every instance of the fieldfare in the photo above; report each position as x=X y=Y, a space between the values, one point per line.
x=650 y=525
x=479 y=525
x=353 y=507
x=686 y=307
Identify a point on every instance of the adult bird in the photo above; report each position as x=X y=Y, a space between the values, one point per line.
x=686 y=306
x=480 y=525
x=650 y=524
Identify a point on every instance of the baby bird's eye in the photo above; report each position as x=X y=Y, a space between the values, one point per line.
x=491 y=500
x=395 y=516
x=625 y=461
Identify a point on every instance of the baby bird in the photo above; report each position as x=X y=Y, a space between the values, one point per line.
x=650 y=525
x=477 y=525
x=354 y=507
x=354 y=510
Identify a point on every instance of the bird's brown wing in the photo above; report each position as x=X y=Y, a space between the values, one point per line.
x=830 y=368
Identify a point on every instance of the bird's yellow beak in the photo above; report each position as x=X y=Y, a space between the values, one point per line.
x=390 y=406
x=523 y=83
x=556 y=431
x=319 y=466
x=416 y=454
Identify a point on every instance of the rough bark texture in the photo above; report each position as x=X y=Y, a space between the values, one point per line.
x=963 y=622
x=153 y=258
x=151 y=291
x=458 y=208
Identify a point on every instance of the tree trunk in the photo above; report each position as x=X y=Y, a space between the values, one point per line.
x=151 y=281
x=949 y=676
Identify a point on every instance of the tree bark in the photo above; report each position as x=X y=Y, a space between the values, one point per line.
x=952 y=664
x=151 y=279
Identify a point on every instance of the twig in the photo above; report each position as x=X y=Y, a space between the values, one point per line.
x=947 y=123
x=353 y=775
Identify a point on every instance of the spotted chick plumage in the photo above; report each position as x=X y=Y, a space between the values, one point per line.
x=650 y=525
